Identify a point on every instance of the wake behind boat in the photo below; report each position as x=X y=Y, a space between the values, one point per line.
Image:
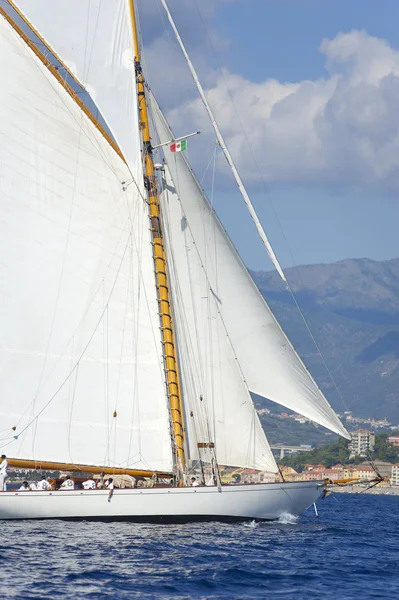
x=133 y=334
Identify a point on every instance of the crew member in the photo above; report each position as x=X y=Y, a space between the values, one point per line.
x=24 y=487
x=43 y=484
x=194 y=482
x=110 y=486
x=90 y=484
x=3 y=473
x=68 y=484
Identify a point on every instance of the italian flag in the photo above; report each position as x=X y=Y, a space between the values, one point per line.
x=178 y=146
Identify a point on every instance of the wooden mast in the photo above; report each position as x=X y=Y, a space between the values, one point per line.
x=46 y=465
x=164 y=299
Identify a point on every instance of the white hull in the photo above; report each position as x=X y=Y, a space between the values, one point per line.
x=263 y=501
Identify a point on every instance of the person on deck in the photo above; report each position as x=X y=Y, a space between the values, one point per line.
x=43 y=484
x=194 y=482
x=24 y=487
x=68 y=484
x=90 y=484
x=3 y=473
x=33 y=486
x=110 y=486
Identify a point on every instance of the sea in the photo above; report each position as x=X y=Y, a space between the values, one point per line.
x=350 y=551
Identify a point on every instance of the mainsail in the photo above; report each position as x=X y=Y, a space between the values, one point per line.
x=269 y=363
x=81 y=371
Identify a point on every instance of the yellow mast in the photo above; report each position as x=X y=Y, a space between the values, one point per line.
x=46 y=465
x=164 y=299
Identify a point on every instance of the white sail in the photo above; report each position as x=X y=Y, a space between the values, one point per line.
x=80 y=333
x=270 y=364
x=94 y=38
x=218 y=406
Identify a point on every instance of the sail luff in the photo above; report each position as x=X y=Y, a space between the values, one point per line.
x=226 y=151
x=160 y=261
x=49 y=65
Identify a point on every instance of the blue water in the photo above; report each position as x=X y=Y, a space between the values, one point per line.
x=350 y=552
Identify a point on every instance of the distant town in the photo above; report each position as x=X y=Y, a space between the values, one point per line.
x=360 y=449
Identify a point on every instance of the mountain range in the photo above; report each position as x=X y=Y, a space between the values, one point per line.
x=352 y=310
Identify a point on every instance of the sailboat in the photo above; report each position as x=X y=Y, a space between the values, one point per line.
x=132 y=333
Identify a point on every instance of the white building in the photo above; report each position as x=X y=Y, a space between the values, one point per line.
x=362 y=442
x=395 y=475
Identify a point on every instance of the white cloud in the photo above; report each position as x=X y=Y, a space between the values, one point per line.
x=341 y=129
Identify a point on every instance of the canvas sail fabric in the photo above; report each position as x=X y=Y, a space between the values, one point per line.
x=80 y=334
x=218 y=406
x=94 y=38
x=270 y=365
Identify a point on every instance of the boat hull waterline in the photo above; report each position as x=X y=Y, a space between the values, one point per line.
x=260 y=502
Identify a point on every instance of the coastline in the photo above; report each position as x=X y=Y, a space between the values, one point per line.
x=356 y=489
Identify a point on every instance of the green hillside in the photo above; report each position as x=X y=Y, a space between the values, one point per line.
x=352 y=308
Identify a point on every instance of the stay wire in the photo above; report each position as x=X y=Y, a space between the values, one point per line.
x=273 y=207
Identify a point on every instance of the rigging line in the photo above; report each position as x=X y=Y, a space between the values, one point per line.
x=317 y=348
x=82 y=353
x=135 y=309
x=106 y=371
x=212 y=228
x=87 y=67
x=249 y=145
x=226 y=152
x=70 y=416
x=212 y=159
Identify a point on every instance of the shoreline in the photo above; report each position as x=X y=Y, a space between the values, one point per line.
x=355 y=489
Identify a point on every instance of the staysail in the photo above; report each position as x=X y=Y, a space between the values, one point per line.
x=270 y=365
x=81 y=372
x=218 y=406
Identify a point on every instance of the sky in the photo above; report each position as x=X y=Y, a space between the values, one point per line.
x=306 y=94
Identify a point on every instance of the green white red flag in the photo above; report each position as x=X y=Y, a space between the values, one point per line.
x=178 y=146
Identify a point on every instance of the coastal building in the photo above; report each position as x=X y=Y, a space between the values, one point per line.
x=366 y=472
x=394 y=440
x=362 y=442
x=395 y=475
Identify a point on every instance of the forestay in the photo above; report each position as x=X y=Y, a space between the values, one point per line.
x=94 y=38
x=268 y=361
x=80 y=332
